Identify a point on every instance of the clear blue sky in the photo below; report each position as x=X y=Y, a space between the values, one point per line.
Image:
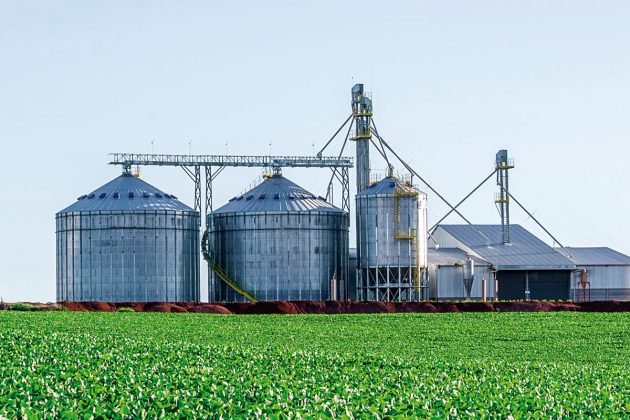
x=452 y=83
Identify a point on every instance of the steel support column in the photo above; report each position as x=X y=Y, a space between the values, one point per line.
x=208 y=190
x=345 y=187
x=197 y=180
x=195 y=176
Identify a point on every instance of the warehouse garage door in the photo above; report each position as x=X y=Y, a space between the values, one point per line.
x=511 y=285
x=543 y=284
x=550 y=284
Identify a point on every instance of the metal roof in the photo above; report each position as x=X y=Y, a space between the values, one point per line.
x=126 y=193
x=525 y=252
x=597 y=256
x=388 y=186
x=450 y=256
x=277 y=194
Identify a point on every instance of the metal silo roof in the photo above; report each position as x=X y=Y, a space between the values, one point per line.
x=126 y=193
x=277 y=194
x=387 y=186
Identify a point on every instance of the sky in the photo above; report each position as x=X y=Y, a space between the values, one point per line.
x=452 y=82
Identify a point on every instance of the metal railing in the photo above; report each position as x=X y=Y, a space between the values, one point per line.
x=129 y=159
x=506 y=163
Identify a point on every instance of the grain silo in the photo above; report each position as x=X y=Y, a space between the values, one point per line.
x=391 y=245
x=127 y=241
x=277 y=242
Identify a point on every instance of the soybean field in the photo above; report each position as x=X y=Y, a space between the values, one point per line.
x=148 y=365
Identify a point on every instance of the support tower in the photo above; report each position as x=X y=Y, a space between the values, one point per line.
x=502 y=199
x=362 y=112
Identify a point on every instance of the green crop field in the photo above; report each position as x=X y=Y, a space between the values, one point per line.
x=70 y=364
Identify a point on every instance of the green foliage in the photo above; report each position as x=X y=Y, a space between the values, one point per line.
x=100 y=365
x=24 y=307
x=125 y=309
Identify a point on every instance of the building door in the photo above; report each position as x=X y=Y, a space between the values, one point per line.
x=550 y=284
x=511 y=285
x=543 y=284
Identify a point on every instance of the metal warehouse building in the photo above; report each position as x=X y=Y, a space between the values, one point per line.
x=607 y=274
x=526 y=268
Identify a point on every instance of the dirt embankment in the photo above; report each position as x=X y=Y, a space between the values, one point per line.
x=336 y=307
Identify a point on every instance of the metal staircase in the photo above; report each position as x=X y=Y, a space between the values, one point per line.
x=225 y=278
x=220 y=272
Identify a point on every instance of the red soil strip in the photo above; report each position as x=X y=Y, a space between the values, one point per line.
x=209 y=309
x=525 y=306
x=351 y=307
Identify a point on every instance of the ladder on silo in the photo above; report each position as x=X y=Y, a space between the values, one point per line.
x=402 y=233
x=416 y=278
x=407 y=234
x=415 y=275
x=410 y=234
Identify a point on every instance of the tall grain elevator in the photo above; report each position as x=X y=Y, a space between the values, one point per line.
x=391 y=218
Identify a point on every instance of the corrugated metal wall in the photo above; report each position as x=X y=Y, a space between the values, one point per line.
x=123 y=256
x=280 y=255
x=352 y=275
x=608 y=282
x=378 y=248
x=447 y=282
x=386 y=263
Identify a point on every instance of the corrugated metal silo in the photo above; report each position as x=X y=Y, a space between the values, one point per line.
x=277 y=242
x=391 y=241
x=127 y=241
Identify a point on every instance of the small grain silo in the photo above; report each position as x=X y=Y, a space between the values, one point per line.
x=277 y=242
x=391 y=241
x=127 y=241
